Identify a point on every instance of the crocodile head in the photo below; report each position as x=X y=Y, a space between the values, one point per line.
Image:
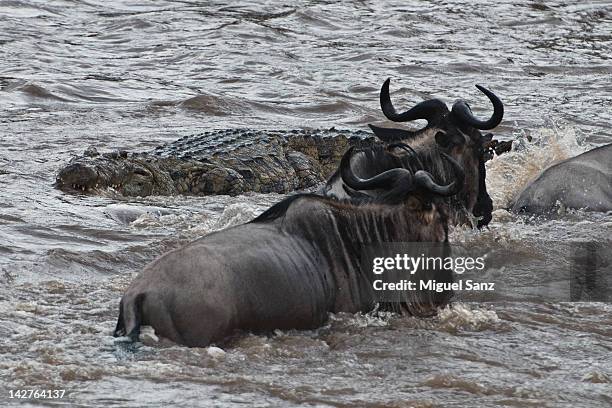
x=128 y=175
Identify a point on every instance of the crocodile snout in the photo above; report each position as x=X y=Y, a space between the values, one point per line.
x=77 y=176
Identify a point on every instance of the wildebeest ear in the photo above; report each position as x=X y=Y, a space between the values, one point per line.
x=391 y=135
x=443 y=139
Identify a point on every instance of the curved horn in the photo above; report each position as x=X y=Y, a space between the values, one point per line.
x=425 y=180
x=429 y=110
x=386 y=180
x=462 y=111
x=392 y=135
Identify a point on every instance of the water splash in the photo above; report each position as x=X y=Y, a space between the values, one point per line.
x=460 y=316
x=510 y=172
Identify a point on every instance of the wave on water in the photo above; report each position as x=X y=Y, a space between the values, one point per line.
x=340 y=109
x=32 y=91
x=215 y=105
x=29 y=91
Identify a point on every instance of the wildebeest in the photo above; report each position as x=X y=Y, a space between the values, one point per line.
x=292 y=265
x=584 y=181
x=456 y=132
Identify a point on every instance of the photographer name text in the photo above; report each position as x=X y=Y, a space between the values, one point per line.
x=433 y=285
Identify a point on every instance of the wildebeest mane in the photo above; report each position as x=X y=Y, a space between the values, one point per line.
x=378 y=159
x=280 y=209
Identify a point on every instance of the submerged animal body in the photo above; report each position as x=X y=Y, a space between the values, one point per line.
x=581 y=182
x=230 y=161
x=456 y=132
x=291 y=266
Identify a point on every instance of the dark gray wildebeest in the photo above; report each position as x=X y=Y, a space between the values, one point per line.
x=291 y=266
x=584 y=181
x=455 y=132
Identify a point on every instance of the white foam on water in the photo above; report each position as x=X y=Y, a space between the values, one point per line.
x=461 y=316
x=147 y=335
x=374 y=318
x=151 y=220
x=215 y=352
x=235 y=214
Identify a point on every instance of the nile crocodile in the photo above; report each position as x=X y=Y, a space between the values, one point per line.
x=230 y=161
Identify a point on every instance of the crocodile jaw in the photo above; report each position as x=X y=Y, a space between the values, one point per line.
x=84 y=177
x=77 y=177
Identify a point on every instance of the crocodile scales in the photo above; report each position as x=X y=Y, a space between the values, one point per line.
x=230 y=161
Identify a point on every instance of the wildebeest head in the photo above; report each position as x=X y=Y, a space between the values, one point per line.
x=456 y=132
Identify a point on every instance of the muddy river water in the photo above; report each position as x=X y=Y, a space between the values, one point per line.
x=133 y=74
